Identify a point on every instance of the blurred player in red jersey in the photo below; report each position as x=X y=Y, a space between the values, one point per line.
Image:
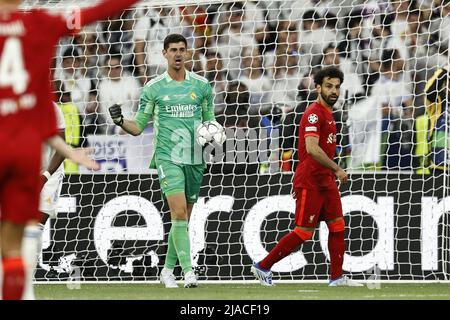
x=27 y=118
x=315 y=189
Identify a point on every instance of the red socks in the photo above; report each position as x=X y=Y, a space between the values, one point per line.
x=290 y=242
x=336 y=247
x=284 y=247
x=13 y=278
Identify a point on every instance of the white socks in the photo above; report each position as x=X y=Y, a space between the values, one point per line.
x=31 y=247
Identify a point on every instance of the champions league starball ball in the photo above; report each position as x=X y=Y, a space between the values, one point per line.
x=210 y=131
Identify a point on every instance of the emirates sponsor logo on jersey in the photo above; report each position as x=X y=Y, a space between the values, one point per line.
x=182 y=110
x=313 y=118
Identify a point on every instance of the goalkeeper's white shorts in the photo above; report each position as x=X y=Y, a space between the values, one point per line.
x=50 y=195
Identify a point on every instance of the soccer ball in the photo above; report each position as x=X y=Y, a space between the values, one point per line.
x=217 y=132
x=210 y=131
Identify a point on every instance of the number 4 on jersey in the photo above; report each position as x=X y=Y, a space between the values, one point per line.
x=12 y=69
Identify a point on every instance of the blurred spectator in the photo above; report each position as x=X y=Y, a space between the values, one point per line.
x=258 y=84
x=253 y=16
x=435 y=122
x=197 y=31
x=397 y=125
x=71 y=77
x=381 y=38
x=235 y=114
x=440 y=26
x=93 y=120
x=314 y=38
x=149 y=33
x=381 y=126
x=92 y=52
x=232 y=43
x=117 y=87
x=73 y=130
x=424 y=58
x=215 y=74
x=117 y=37
x=286 y=81
x=394 y=28
x=337 y=8
x=194 y=62
x=356 y=48
x=286 y=41
x=431 y=45
x=195 y=25
x=401 y=10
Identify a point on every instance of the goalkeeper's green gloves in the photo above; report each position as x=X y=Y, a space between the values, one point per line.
x=116 y=114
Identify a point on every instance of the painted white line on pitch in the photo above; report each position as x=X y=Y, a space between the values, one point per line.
x=421 y=295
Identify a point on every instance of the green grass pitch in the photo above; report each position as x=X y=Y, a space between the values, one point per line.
x=294 y=291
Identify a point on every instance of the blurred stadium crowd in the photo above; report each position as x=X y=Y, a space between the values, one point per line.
x=260 y=58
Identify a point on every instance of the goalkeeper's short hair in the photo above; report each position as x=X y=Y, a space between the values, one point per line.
x=174 y=38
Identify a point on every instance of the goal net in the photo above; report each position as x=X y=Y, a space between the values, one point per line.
x=260 y=58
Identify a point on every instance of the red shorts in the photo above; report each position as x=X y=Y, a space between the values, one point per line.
x=313 y=206
x=20 y=163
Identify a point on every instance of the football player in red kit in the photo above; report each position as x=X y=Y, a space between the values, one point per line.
x=27 y=118
x=315 y=189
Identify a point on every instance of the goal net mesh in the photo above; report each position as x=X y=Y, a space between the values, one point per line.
x=260 y=58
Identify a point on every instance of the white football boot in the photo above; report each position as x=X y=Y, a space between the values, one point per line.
x=344 y=281
x=190 y=280
x=167 y=278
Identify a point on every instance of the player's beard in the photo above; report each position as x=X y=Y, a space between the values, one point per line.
x=328 y=100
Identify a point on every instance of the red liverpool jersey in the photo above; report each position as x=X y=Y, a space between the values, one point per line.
x=27 y=46
x=317 y=121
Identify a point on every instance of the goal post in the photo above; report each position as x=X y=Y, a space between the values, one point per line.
x=260 y=58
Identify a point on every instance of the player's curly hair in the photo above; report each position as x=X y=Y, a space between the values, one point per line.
x=328 y=72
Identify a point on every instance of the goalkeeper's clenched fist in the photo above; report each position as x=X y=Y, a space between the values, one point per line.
x=129 y=126
x=115 y=112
